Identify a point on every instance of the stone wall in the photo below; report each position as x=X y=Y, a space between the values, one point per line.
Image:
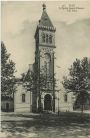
x=19 y=105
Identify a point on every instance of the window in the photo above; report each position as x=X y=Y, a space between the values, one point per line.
x=50 y=39
x=46 y=38
x=23 y=98
x=65 y=97
x=47 y=63
x=47 y=57
x=43 y=38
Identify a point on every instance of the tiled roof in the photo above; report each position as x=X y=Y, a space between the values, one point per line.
x=45 y=20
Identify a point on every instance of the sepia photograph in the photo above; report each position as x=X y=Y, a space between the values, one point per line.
x=45 y=69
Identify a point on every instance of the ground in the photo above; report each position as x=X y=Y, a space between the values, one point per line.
x=47 y=125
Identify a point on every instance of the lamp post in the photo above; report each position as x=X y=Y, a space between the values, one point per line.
x=58 y=92
x=53 y=86
x=58 y=102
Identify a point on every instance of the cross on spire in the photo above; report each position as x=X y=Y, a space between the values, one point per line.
x=44 y=7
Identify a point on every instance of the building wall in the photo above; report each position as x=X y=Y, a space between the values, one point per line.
x=19 y=105
x=4 y=105
x=61 y=104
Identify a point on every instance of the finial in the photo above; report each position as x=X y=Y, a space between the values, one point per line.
x=44 y=7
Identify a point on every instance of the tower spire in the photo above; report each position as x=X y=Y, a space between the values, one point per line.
x=44 y=7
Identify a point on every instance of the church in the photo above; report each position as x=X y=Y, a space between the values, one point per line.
x=44 y=64
x=44 y=96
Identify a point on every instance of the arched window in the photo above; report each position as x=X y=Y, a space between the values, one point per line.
x=43 y=37
x=50 y=39
x=47 y=57
x=23 y=98
x=46 y=38
x=47 y=62
x=65 y=97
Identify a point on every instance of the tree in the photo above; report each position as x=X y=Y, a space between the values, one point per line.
x=40 y=81
x=78 y=80
x=28 y=79
x=7 y=72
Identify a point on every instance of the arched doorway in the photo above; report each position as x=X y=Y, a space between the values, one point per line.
x=7 y=107
x=48 y=102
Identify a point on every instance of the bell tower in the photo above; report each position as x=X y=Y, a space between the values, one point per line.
x=44 y=94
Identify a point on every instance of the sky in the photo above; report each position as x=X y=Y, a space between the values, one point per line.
x=72 y=37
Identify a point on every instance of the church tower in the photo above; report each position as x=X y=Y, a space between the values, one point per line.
x=44 y=93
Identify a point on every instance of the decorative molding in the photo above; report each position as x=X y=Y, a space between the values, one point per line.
x=52 y=46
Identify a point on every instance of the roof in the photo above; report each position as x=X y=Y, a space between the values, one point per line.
x=45 y=20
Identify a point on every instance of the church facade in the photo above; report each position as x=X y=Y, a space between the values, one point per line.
x=44 y=95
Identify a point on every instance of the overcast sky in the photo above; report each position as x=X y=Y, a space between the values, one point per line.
x=19 y=21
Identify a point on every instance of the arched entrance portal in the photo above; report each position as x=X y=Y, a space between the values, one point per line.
x=48 y=102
